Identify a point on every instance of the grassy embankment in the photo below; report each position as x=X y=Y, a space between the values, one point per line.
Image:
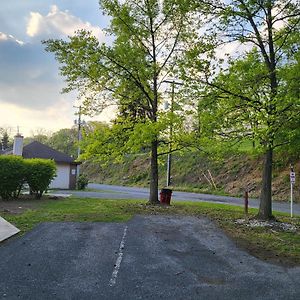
x=196 y=172
x=265 y=243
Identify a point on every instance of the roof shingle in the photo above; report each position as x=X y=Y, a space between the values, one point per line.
x=38 y=150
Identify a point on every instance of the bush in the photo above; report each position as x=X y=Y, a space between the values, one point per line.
x=12 y=176
x=40 y=173
x=82 y=182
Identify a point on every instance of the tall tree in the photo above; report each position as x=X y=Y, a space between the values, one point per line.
x=147 y=38
x=5 y=141
x=64 y=140
x=42 y=138
x=254 y=93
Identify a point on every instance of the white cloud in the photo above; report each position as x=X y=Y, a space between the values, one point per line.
x=30 y=83
x=5 y=37
x=52 y=118
x=31 y=75
x=58 y=23
x=233 y=50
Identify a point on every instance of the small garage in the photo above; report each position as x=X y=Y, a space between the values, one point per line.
x=66 y=166
x=63 y=179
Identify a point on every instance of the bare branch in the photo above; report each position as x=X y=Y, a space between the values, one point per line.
x=171 y=51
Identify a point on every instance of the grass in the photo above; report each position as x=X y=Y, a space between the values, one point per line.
x=204 y=190
x=277 y=246
x=54 y=191
x=69 y=209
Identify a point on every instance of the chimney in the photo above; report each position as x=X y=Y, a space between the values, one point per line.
x=18 y=145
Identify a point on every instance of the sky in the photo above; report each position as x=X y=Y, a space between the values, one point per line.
x=30 y=83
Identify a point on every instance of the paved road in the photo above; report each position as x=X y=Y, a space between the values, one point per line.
x=150 y=257
x=124 y=192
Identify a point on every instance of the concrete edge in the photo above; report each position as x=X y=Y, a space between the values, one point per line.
x=7 y=230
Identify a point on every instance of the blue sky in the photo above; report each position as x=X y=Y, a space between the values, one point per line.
x=30 y=83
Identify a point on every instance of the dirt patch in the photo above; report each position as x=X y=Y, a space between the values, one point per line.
x=259 y=248
x=23 y=204
x=266 y=255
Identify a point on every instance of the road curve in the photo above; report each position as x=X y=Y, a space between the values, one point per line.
x=105 y=191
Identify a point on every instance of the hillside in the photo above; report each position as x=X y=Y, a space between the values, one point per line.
x=195 y=172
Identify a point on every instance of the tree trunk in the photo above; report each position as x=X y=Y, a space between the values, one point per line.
x=153 y=199
x=265 y=206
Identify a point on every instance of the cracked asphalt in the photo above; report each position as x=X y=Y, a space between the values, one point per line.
x=149 y=257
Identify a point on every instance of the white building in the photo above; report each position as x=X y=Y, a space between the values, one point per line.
x=66 y=167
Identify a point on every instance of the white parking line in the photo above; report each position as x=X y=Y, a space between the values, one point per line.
x=114 y=274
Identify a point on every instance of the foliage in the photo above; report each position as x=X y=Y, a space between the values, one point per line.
x=147 y=38
x=16 y=171
x=40 y=173
x=64 y=140
x=39 y=137
x=239 y=118
x=5 y=141
x=82 y=182
x=12 y=174
x=253 y=94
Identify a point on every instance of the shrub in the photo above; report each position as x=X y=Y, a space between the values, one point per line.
x=40 y=172
x=12 y=176
x=82 y=182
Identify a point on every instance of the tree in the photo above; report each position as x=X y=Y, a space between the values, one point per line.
x=5 y=141
x=255 y=94
x=39 y=137
x=64 y=140
x=147 y=38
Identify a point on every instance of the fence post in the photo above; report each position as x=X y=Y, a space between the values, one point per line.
x=246 y=201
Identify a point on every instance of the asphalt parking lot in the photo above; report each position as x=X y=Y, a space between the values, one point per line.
x=149 y=257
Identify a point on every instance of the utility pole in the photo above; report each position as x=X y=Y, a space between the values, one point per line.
x=169 y=160
x=79 y=123
x=292 y=182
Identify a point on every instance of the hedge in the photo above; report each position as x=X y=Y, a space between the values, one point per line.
x=12 y=176
x=82 y=182
x=16 y=171
x=39 y=174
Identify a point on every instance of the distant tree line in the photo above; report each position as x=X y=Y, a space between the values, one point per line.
x=64 y=140
x=5 y=141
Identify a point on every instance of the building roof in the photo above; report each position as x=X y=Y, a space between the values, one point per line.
x=38 y=150
x=5 y=152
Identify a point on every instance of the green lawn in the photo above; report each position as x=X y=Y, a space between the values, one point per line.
x=54 y=191
x=265 y=243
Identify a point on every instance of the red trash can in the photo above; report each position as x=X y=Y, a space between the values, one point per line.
x=165 y=196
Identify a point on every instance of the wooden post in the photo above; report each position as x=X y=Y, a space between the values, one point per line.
x=246 y=203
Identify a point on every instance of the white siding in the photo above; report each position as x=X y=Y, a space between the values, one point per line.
x=62 y=179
